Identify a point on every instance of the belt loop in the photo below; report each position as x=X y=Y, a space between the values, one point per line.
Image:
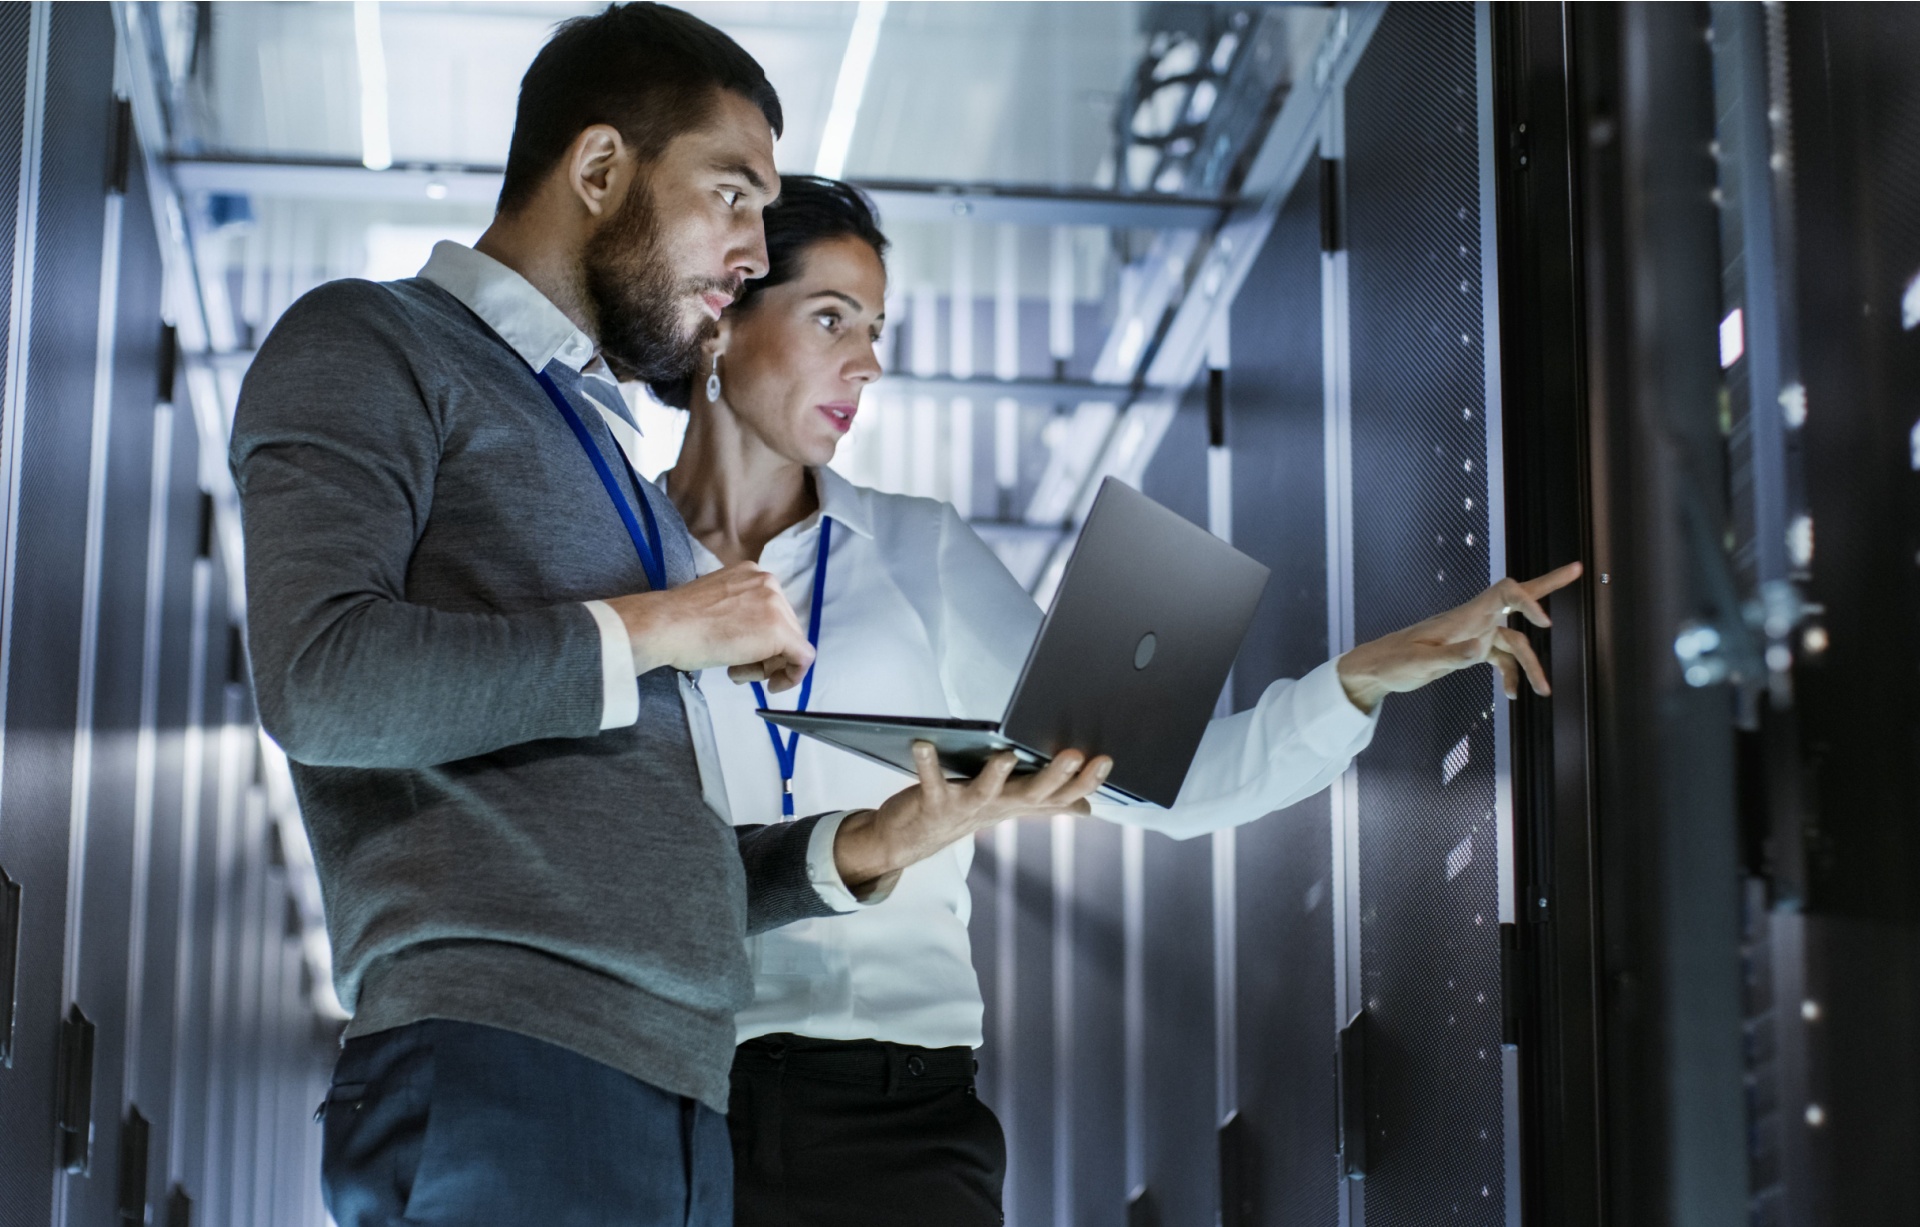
x=894 y=1061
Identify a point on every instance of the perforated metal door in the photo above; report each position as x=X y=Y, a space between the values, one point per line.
x=1429 y=840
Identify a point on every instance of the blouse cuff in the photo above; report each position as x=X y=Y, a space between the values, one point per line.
x=1328 y=721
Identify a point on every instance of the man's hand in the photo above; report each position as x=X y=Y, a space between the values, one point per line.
x=737 y=617
x=1467 y=635
x=873 y=846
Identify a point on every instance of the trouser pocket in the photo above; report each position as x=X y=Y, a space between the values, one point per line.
x=374 y=1120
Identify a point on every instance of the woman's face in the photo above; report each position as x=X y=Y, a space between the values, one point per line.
x=793 y=363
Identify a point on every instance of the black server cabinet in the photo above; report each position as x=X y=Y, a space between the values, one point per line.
x=1429 y=812
x=118 y=845
x=1177 y=1128
x=1283 y=1164
x=51 y=447
x=1030 y=1115
x=1093 y=1059
x=1855 y=126
x=1173 y=1127
x=195 y=1161
x=32 y=861
x=154 y=1083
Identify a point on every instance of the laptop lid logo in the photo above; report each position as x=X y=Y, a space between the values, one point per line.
x=1143 y=652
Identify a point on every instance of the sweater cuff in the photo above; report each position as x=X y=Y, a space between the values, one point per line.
x=621 y=706
x=825 y=874
x=1328 y=721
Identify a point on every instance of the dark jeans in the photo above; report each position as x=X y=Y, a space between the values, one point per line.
x=453 y=1123
x=829 y=1133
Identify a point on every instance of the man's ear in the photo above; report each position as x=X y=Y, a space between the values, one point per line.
x=599 y=168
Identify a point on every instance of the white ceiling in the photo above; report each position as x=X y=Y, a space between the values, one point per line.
x=972 y=92
x=1009 y=92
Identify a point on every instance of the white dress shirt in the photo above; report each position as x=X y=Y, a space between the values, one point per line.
x=922 y=619
x=540 y=333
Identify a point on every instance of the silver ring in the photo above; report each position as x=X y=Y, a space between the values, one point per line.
x=1505 y=610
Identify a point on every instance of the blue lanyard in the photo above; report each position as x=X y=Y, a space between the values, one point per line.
x=784 y=751
x=646 y=542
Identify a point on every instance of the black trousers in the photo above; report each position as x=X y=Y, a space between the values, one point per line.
x=831 y=1133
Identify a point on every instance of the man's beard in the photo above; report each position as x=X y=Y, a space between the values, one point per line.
x=638 y=303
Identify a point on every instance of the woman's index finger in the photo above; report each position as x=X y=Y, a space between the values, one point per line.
x=1553 y=580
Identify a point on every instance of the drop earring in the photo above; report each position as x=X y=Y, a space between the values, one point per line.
x=713 y=382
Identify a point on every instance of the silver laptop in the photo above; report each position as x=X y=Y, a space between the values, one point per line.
x=1129 y=662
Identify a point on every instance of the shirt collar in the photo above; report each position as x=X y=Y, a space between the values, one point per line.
x=842 y=500
x=525 y=318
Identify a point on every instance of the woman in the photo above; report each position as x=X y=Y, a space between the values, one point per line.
x=853 y=1084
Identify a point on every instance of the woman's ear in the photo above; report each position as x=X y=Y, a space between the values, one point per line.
x=723 y=332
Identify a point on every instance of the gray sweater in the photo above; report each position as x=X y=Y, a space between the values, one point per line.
x=421 y=529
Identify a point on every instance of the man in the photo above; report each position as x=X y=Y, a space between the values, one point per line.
x=535 y=899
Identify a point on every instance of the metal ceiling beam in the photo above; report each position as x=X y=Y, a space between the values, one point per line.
x=911 y=200
x=898 y=199
x=319 y=179
x=1026 y=391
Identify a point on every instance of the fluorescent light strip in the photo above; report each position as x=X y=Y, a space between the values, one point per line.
x=376 y=141
x=855 y=67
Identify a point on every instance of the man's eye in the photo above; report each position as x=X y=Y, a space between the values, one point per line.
x=730 y=196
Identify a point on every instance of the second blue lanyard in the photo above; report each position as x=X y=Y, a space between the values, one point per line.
x=787 y=748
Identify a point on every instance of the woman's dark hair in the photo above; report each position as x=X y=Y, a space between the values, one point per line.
x=648 y=70
x=810 y=211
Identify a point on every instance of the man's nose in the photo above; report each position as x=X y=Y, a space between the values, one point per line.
x=749 y=259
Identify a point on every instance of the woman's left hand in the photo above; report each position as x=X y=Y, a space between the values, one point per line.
x=1466 y=635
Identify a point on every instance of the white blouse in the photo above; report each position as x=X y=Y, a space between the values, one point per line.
x=921 y=619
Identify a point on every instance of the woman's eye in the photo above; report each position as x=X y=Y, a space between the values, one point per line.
x=829 y=319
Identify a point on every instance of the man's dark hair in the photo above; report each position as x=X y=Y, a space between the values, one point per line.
x=811 y=210
x=648 y=70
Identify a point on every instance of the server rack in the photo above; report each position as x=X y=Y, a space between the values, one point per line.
x=1707 y=227
x=1350 y=436
x=1850 y=1113
x=150 y=1004
x=1276 y=1163
x=64 y=203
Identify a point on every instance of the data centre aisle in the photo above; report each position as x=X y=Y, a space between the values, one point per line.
x=1229 y=1029
x=161 y=1057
